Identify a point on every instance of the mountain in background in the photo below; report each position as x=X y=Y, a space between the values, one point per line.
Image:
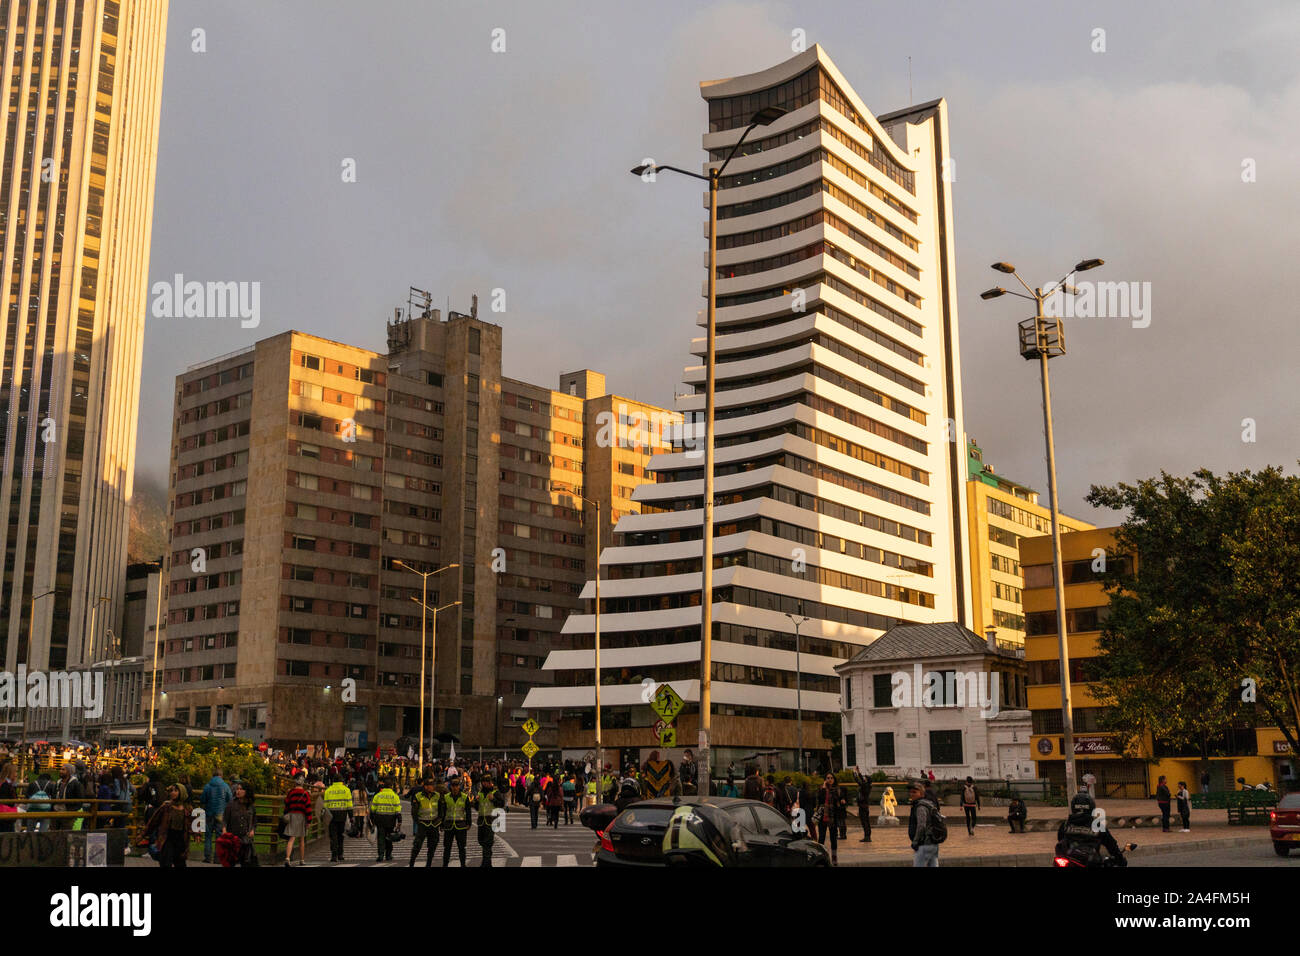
x=148 y=536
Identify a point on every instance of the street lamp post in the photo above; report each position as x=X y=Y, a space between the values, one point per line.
x=157 y=627
x=423 y=602
x=764 y=117
x=798 y=678
x=88 y=652
x=27 y=656
x=600 y=750
x=1042 y=338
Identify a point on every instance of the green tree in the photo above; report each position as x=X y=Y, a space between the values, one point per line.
x=1211 y=606
x=200 y=758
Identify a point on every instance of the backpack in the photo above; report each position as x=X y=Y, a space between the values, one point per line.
x=968 y=794
x=936 y=827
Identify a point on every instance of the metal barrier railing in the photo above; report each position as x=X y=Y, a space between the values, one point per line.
x=85 y=809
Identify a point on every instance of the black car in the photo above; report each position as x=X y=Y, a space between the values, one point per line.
x=699 y=831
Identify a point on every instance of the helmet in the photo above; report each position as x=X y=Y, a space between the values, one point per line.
x=1083 y=803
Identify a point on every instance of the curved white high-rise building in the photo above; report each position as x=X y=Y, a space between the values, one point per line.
x=839 y=438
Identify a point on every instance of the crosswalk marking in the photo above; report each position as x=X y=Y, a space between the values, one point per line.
x=531 y=861
x=568 y=859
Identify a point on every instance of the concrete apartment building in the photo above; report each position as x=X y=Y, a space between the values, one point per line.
x=310 y=476
x=840 y=490
x=1001 y=512
x=82 y=84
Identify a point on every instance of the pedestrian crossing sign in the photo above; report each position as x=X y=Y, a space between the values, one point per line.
x=667 y=703
x=531 y=726
x=530 y=749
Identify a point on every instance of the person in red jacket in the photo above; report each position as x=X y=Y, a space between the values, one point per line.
x=297 y=814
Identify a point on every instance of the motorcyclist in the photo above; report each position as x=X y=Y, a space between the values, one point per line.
x=1077 y=833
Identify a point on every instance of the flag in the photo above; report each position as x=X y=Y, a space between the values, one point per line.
x=452 y=758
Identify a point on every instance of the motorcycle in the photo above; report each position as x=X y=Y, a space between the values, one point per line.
x=1088 y=859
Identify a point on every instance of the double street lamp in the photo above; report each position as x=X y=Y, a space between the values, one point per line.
x=764 y=117
x=424 y=607
x=1042 y=338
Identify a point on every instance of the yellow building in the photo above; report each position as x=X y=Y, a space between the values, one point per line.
x=1256 y=754
x=1000 y=512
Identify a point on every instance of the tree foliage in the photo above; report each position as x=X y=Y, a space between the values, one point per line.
x=200 y=758
x=1212 y=602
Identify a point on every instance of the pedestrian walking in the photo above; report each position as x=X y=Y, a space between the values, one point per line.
x=386 y=814
x=829 y=801
x=168 y=830
x=864 y=783
x=554 y=793
x=533 y=798
x=1090 y=781
x=1185 y=806
x=729 y=788
x=297 y=814
x=926 y=828
x=570 y=788
x=1205 y=780
x=1162 y=801
x=216 y=795
x=241 y=823
x=453 y=816
x=970 y=803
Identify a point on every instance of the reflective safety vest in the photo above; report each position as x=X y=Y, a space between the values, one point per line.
x=455 y=812
x=486 y=808
x=591 y=785
x=338 y=797
x=426 y=806
x=385 y=801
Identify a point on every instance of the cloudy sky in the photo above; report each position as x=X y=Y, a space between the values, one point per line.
x=479 y=170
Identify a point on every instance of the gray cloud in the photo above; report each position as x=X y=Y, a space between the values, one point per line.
x=478 y=170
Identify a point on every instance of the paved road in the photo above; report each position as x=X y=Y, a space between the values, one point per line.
x=1228 y=857
x=570 y=845
x=519 y=845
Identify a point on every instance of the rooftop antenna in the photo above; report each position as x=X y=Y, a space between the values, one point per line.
x=910 y=101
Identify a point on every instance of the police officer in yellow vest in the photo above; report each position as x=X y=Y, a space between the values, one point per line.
x=453 y=816
x=338 y=801
x=386 y=812
x=424 y=809
x=488 y=804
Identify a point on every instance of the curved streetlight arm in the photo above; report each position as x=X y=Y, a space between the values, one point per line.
x=748 y=129
x=676 y=169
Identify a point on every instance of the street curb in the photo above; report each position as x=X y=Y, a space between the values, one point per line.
x=1039 y=859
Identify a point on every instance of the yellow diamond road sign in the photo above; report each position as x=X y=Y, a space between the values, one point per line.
x=530 y=749
x=667 y=703
x=530 y=726
x=668 y=736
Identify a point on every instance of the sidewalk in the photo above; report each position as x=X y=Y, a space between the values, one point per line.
x=994 y=845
